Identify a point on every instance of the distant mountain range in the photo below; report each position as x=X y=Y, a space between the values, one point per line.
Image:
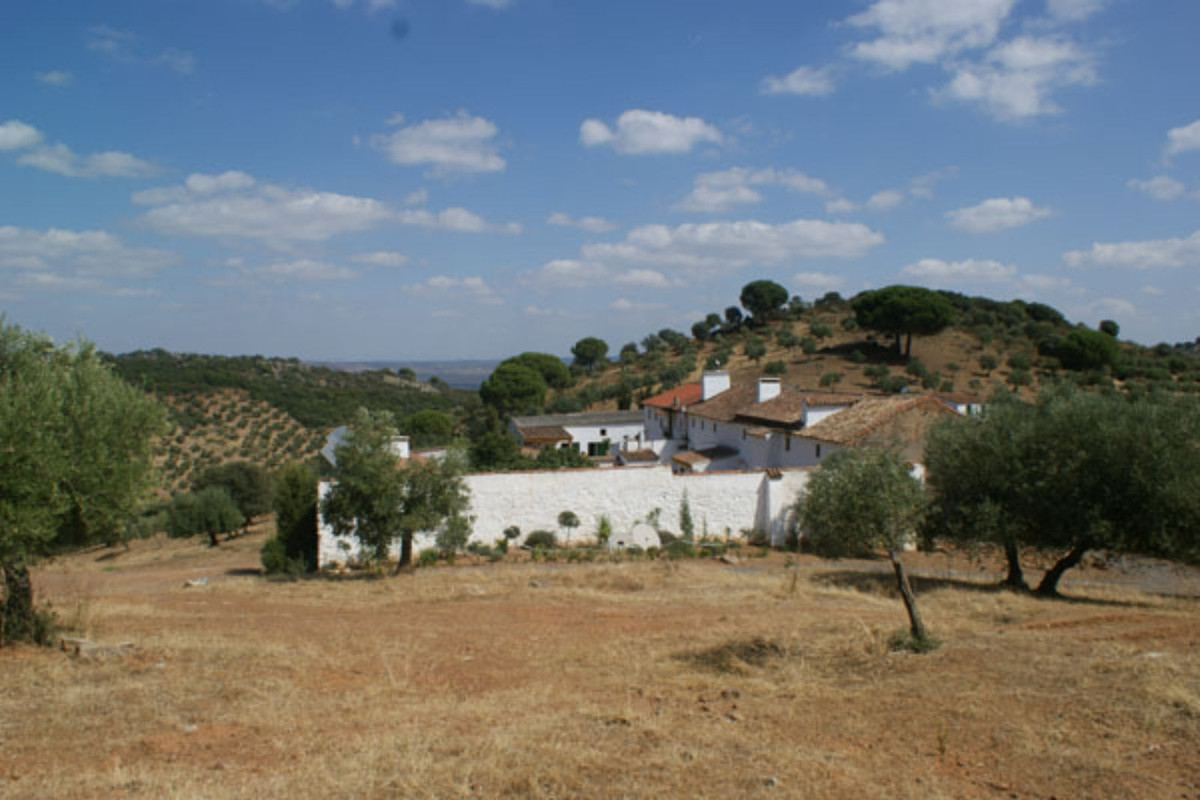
x=460 y=374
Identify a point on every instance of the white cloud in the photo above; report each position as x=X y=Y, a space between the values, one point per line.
x=122 y=46
x=802 y=81
x=419 y=197
x=1112 y=307
x=726 y=189
x=539 y=311
x=625 y=304
x=648 y=278
x=926 y=31
x=381 y=258
x=997 y=214
x=953 y=272
x=1147 y=254
x=1183 y=139
x=456 y=144
x=922 y=186
x=54 y=77
x=62 y=256
x=16 y=135
x=592 y=224
x=1160 y=187
x=817 y=281
x=233 y=205
x=472 y=287
x=1073 y=10
x=882 y=201
x=840 y=207
x=455 y=219
x=1016 y=80
x=706 y=249
x=641 y=132
x=1045 y=282
x=305 y=269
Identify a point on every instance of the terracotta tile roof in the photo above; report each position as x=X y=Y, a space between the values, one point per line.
x=640 y=455
x=787 y=409
x=544 y=433
x=693 y=457
x=588 y=418
x=679 y=397
x=858 y=421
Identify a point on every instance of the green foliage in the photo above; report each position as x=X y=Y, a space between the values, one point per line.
x=604 y=530
x=1083 y=349
x=295 y=506
x=379 y=501
x=809 y=345
x=209 y=511
x=453 y=534
x=275 y=561
x=820 y=330
x=76 y=445
x=514 y=388
x=831 y=378
x=988 y=362
x=429 y=427
x=590 y=353
x=903 y=311
x=686 y=525
x=1109 y=328
x=860 y=500
x=545 y=540
x=552 y=369
x=775 y=368
x=248 y=484
x=763 y=299
x=568 y=520
x=1074 y=471
x=755 y=348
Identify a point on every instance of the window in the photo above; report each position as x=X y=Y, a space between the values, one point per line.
x=603 y=432
x=787 y=443
x=818 y=451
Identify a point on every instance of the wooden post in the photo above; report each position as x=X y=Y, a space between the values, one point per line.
x=916 y=626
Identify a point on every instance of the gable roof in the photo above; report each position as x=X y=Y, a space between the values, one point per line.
x=786 y=409
x=544 y=433
x=590 y=418
x=680 y=397
x=868 y=414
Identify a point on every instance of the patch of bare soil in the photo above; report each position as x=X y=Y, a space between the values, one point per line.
x=649 y=679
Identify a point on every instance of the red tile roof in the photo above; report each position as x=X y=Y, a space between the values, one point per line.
x=679 y=397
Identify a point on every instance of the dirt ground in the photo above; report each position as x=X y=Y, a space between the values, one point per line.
x=767 y=678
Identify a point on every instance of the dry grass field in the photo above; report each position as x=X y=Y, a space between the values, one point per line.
x=770 y=678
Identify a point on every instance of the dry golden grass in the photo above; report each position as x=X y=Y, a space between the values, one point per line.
x=680 y=679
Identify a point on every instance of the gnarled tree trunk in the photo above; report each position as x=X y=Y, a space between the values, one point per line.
x=406 y=541
x=1015 y=579
x=1049 y=585
x=915 y=625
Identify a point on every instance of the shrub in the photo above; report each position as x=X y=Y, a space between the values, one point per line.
x=679 y=548
x=775 y=368
x=830 y=378
x=540 y=538
x=275 y=559
x=603 y=530
x=988 y=362
x=427 y=558
x=1019 y=361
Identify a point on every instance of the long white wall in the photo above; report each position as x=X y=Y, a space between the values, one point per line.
x=719 y=502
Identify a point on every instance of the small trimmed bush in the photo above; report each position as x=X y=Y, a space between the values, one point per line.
x=543 y=539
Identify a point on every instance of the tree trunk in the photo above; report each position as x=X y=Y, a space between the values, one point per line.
x=908 y=344
x=212 y=539
x=1015 y=579
x=915 y=625
x=16 y=610
x=405 y=553
x=1049 y=585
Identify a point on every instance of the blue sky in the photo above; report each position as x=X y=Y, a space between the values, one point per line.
x=352 y=179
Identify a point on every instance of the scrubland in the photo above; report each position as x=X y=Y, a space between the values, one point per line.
x=770 y=677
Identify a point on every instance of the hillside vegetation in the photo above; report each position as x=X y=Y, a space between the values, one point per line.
x=987 y=345
x=271 y=411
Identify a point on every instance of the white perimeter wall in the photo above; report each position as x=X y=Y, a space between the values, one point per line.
x=720 y=501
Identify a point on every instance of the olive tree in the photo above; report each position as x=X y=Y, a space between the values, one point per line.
x=76 y=453
x=862 y=500
x=378 y=499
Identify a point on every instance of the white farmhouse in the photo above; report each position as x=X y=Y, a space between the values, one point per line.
x=593 y=433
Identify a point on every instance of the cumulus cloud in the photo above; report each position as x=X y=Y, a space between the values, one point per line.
x=54 y=77
x=472 y=287
x=727 y=189
x=970 y=270
x=1146 y=254
x=592 y=224
x=1017 y=79
x=304 y=269
x=16 y=135
x=234 y=205
x=710 y=248
x=647 y=278
x=802 y=80
x=58 y=258
x=455 y=219
x=1183 y=139
x=58 y=158
x=817 y=281
x=997 y=214
x=1160 y=187
x=642 y=132
x=925 y=31
x=381 y=258
x=456 y=144
x=882 y=201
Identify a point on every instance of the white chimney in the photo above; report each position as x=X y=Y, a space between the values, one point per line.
x=399 y=446
x=768 y=388
x=713 y=383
